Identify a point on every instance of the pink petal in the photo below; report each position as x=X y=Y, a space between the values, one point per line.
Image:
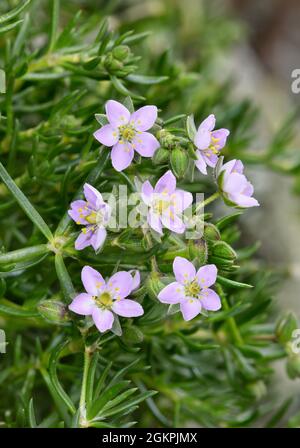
x=221 y=135
x=190 y=308
x=166 y=184
x=127 y=308
x=121 y=156
x=144 y=118
x=92 y=195
x=83 y=304
x=98 y=238
x=233 y=166
x=248 y=190
x=182 y=200
x=77 y=216
x=83 y=240
x=172 y=222
x=117 y=114
x=244 y=201
x=211 y=159
x=209 y=123
x=207 y=275
x=107 y=135
x=145 y=144
x=172 y=293
x=92 y=280
x=184 y=270
x=235 y=183
x=136 y=278
x=120 y=285
x=146 y=192
x=200 y=163
x=103 y=319
x=202 y=138
x=154 y=222
x=210 y=300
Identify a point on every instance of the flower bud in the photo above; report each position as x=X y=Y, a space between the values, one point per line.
x=160 y=156
x=165 y=138
x=222 y=250
x=54 y=312
x=285 y=327
x=179 y=162
x=121 y=52
x=211 y=232
x=112 y=64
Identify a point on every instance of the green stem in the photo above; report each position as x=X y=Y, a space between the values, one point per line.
x=207 y=201
x=235 y=332
x=82 y=403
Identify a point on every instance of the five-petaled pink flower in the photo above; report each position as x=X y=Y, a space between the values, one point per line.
x=94 y=214
x=209 y=143
x=236 y=190
x=103 y=300
x=166 y=203
x=191 y=289
x=126 y=133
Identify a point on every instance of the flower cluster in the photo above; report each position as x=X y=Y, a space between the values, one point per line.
x=126 y=133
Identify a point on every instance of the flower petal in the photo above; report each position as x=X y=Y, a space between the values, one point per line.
x=207 y=275
x=190 y=308
x=221 y=136
x=120 y=285
x=136 y=278
x=154 y=222
x=83 y=304
x=121 y=156
x=144 y=118
x=202 y=138
x=172 y=221
x=166 y=184
x=107 y=135
x=210 y=300
x=182 y=200
x=210 y=158
x=243 y=201
x=146 y=192
x=92 y=195
x=201 y=163
x=77 y=216
x=92 y=280
x=184 y=270
x=117 y=114
x=127 y=308
x=172 y=293
x=83 y=240
x=145 y=144
x=235 y=183
x=98 y=238
x=209 y=123
x=103 y=319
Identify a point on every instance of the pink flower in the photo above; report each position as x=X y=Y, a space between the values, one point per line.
x=94 y=214
x=191 y=289
x=103 y=300
x=237 y=191
x=209 y=143
x=126 y=133
x=166 y=203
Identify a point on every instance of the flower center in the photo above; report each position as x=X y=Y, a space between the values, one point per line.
x=104 y=300
x=127 y=132
x=213 y=147
x=160 y=205
x=192 y=289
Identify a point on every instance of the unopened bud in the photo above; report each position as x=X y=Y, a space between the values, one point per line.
x=198 y=251
x=121 y=52
x=211 y=233
x=179 y=162
x=161 y=156
x=222 y=250
x=154 y=285
x=54 y=311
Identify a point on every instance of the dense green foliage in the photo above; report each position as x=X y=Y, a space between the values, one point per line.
x=61 y=65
